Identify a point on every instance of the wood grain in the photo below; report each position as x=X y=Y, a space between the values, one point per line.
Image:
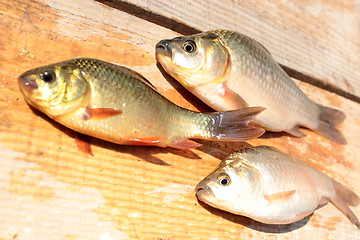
x=49 y=190
x=319 y=39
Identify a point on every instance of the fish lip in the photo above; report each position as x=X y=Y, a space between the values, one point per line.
x=204 y=193
x=163 y=47
x=27 y=82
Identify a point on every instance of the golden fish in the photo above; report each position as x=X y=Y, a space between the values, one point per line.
x=272 y=187
x=116 y=104
x=228 y=70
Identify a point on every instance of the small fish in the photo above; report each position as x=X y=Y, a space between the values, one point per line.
x=272 y=187
x=228 y=71
x=116 y=104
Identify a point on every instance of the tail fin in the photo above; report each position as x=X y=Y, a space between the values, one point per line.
x=234 y=125
x=329 y=118
x=331 y=115
x=343 y=197
x=346 y=194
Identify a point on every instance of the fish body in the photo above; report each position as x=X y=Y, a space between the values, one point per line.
x=228 y=70
x=116 y=104
x=272 y=187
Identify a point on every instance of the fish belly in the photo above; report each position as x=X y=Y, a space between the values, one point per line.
x=292 y=189
x=286 y=106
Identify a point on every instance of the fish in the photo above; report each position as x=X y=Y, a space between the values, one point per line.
x=119 y=105
x=229 y=70
x=272 y=187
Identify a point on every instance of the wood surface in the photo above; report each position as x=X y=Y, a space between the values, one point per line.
x=50 y=190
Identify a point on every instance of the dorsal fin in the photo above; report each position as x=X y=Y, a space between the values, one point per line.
x=140 y=77
x=258 y=44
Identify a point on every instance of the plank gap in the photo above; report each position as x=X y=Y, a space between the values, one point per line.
x=184 y=29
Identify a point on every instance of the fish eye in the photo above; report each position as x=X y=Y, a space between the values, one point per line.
x=224 y=179
x=48 y=76
x=189 y=46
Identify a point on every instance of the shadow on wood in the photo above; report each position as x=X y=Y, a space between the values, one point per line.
x=255 y=225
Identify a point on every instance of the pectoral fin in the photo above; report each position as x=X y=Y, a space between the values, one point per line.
x=280 y=196
x=219 y=96
x=100 y=113
x=234 y=98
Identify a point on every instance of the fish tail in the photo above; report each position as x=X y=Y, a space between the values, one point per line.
x=343 y=197
x=234 y=125
x=329 y=118
x=341 y=205
x=346 y=194
x=331 y=115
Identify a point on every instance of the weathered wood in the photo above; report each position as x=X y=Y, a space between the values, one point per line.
x=320 y=39
x=49 y=190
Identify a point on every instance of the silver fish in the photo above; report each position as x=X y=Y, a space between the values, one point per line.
x=228 y=70
x=272 y=187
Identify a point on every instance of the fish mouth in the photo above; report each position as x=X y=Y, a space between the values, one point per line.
x=163 y=47
x=204 y=194
x=27 y=83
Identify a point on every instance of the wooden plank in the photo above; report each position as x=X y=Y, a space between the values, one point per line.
x=48 y=190
x=319 y=39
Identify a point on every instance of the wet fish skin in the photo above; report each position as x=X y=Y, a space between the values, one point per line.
x=228 y=70
x=272 y=187
x=116 y=104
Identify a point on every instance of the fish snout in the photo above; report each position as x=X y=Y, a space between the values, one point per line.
x=164 y=47
x=204 y=192
x=27 y=82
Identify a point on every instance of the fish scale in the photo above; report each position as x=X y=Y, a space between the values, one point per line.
x=116 y=104
x=272 y=187
x=228 y=70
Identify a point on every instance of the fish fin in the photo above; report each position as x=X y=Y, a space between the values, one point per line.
x=219 y=96
x=234 y=125
x=234 y=98
x=82 y=143
x=346 y=194
x=343 y=207
x=295 y=132
x=328 y=119
x=100 y=113
x=260 y=45
x=329 y=131
x=280 y=196
x=147 y=141
x=331 y=115
x=139 y=76
x=185 y=144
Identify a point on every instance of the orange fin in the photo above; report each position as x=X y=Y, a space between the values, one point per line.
x=185 y=144
x=234 y=98
x=82 y=143
x=146 y=141
x=100 y=113
x=280 y=196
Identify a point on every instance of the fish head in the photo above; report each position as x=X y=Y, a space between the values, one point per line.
x=232 y=186
x=54 y=89
x=194 y=59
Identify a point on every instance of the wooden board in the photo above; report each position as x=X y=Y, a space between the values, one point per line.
x=319 y=39
x=49 y=190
